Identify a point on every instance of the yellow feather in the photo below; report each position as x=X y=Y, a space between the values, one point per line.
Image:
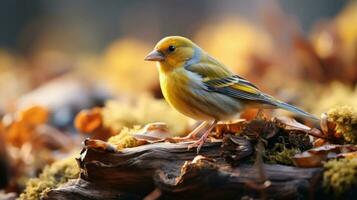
x=245 y=88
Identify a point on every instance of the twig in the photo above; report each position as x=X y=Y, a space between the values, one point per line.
x=263 y=183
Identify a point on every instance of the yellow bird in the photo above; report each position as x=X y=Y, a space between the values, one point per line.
x=202 y=88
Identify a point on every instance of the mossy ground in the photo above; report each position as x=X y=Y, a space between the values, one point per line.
x=125 y=139
x=282 y=147
x=345 y=119
x=51 y=177
x=280 y=154
x=340 y=175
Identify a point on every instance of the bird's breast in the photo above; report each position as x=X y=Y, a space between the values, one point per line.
x=176 y=89
x=187 y=93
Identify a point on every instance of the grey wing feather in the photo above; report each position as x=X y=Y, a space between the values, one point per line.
x=224 y=86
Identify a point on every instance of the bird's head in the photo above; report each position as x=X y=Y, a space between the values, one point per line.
x=174 y=51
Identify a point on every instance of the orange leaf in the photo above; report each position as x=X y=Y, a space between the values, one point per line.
x=34 y=115
x=89 y=120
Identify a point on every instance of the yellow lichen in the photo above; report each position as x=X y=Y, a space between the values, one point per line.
x=340 y=175
x=125 y=139
x=345 y=120
x=51 y=177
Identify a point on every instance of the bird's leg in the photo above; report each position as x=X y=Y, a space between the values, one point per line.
x=191 y=136
x=199 y=143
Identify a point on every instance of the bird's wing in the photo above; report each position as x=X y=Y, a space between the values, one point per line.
x=219 y=79
x=209 y=68
x=237 y=87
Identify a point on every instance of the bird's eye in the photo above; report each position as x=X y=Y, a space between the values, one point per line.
x=172 y=48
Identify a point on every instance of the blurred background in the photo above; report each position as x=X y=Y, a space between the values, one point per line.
x=105 y=42
x=59 y=57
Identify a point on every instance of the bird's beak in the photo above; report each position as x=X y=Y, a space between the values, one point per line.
x=155 y=56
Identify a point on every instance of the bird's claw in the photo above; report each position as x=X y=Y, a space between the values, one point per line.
x=198 y=144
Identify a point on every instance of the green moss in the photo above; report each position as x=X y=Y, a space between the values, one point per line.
x=345 y=119
x=340 y=175
x=125 y=139
x=280 y=154
x=281 y=148
x=280 y=144
x=51 y=177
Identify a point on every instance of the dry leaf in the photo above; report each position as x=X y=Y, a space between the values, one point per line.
x=153 y=132
x=88 y=121
x=230 y=127
x=315 y=157
x=290 y=124
x=319 y=142
x=99 y=144
x=348 y=155
x=260 y=128
x=34 y=115
x=327 y=126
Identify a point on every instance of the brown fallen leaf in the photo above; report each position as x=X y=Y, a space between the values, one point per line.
x=229 y=127
x=327 y=126
x=153 y=132
x=319 y=142
x=260 y=129
x=20 y=127
x=348 y=155
x=33 y=115
x=290 y=124
x=315 y=157
x=99 y=145
x=88 y=121
x=249 y=114
x=18 y=133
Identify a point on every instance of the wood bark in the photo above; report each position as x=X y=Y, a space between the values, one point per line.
x=177 y=173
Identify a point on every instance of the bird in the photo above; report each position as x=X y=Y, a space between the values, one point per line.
x=202 y=88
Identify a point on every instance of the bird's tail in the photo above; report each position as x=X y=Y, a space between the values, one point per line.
x=288 y=107
x=293 y=109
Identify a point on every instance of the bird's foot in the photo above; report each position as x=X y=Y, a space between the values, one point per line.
x=192 y=136
x=187 y=138
x=199 y=143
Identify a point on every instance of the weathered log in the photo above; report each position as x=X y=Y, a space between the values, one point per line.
x=179 y=174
